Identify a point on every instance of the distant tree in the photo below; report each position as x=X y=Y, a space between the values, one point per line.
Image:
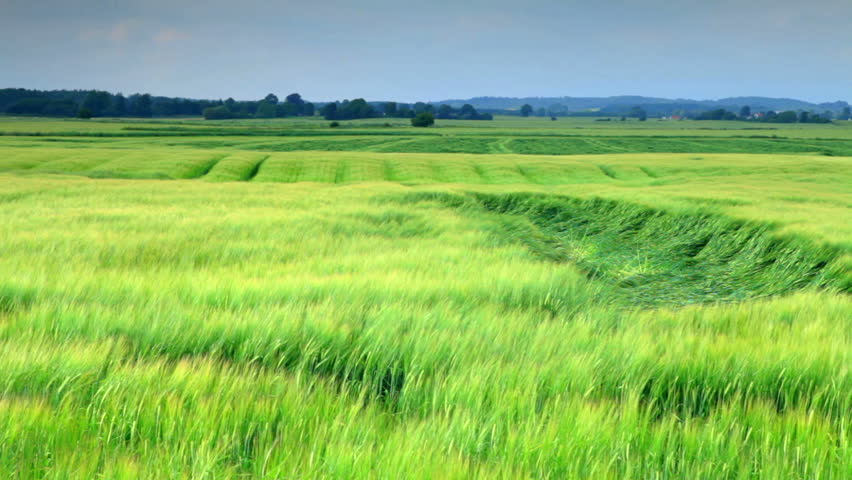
x=467 y=112
x=786 y=117
x=334 y=124
x=97 y=102
x=557 y=109
x=424 y=119
x=217 y=113
x=167 y=107
x=526 y=110
x=247 y=109
x=827 y=115
x=390 y=109
x=404 y=111
x=444 y=112
x=745 y=112
x=421 y=107
x=119 y=105
x=846 y=114
x=718 y=114
x=357 y=108
x=60 y=108
x=295 y=98
x=231 y=103
x=84 y=114
x=329 y=111
x=295 y=105
x=143 y=106
x=804 y=117
x=28 y=106
x=271 y=98
x=552 y=119
x=361 y=109
x=190 y=107
x=288 y=109
x=638 y=112
x=265 y=110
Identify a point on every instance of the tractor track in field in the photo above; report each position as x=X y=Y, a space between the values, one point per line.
x=483 y=175
x=525 y=174
x=390 y=146
x=608 y=171
x=501 y=146
x=341 y=174
x=608 y=148
x=650 y=173
x=256 y=169
x=209 y=166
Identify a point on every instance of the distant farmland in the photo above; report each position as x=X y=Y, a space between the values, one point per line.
x=510 y=299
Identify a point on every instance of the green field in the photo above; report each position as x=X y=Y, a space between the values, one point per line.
x=510 y=299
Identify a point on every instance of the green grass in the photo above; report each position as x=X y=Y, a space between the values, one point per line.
x=205 y=307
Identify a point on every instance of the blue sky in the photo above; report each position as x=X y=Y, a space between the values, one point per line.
x=431 y=50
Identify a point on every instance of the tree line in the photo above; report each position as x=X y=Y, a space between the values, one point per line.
x=788 y=116
x=270 y=107
x=88 y=103
x=360 y=108
x=689 y=111
x=97 y=103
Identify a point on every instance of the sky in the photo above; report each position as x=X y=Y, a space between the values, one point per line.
x=431 y=50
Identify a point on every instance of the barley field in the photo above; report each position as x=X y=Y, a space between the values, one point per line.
x=511 y=299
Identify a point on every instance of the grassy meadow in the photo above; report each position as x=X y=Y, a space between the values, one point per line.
x=511 y=299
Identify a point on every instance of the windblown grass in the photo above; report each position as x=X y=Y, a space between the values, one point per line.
x=661 y=257
x=273 y=331
x=364 y=314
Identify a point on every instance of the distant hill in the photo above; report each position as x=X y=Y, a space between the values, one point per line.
x=620 y=104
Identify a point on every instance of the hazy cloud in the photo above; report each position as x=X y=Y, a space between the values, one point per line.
x=116 y=33
x=169 y=35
